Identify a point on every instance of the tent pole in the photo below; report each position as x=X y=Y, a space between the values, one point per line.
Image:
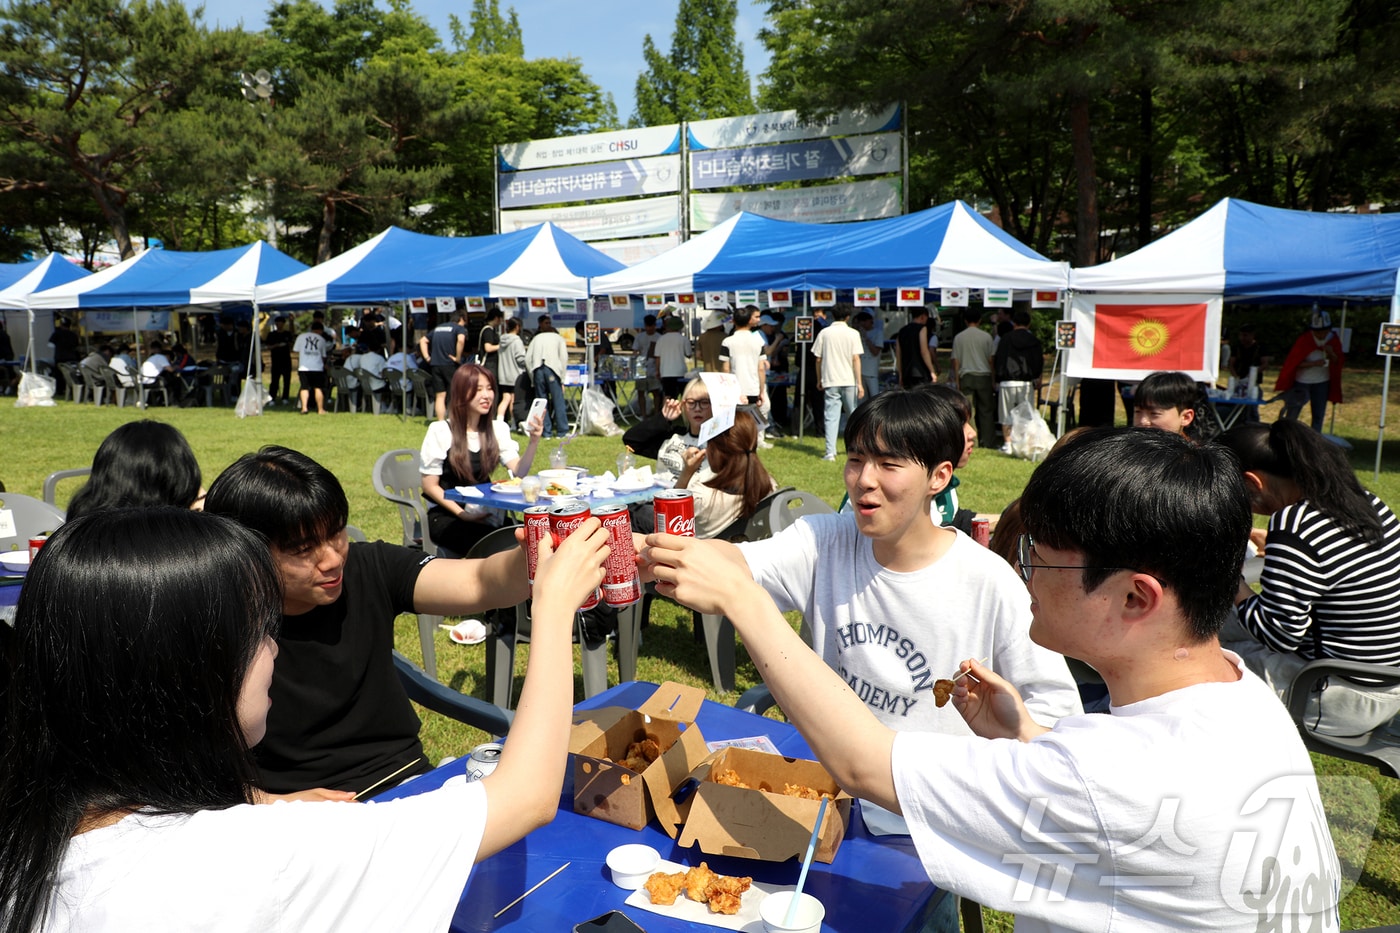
x=1332 y=428
x=1385 y=381
x=1064 y=381
x=802 y=370
x=255 y=362
x=136 y=376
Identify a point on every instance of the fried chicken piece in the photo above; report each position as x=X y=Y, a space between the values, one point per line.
x=698 y=882
x=634 y=763
x=722 y=903
x=663 y=887
x=729 y=884
x=650 y=748
x=942 y=689
x=802 y=791
x=730 y=778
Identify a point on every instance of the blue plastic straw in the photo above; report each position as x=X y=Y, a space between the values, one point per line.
x=806 y=864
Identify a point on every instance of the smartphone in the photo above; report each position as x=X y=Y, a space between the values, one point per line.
x=537 y=407
x=614 y=921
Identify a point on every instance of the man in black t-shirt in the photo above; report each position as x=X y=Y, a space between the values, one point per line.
x=488 y=343
x=279 y=348
x=340 y=720
x=912 y=358
x=444 y=348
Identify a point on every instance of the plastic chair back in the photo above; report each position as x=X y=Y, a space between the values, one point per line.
x=791 y=504
x=53 y=479
x=1379 y=748
x=29 y=517
x=397 y=476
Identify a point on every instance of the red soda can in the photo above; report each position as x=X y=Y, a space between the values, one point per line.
x=675 y=512
x=982 y=531
x=564 y=520
x=35 y=544
x=621 y=585
x=536 y=527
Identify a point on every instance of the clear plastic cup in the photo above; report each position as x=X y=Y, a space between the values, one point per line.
x=530 y=488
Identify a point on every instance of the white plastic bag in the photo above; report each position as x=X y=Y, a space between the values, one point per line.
x=1030 y=435
x=252 y=399
x=35 y=391
x=595 y=414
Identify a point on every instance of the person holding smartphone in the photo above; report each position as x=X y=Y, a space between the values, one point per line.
x=465 y=450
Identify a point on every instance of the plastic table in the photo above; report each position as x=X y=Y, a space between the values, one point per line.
x=875 y=883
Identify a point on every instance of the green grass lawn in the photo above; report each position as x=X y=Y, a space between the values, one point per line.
x=1364 y=807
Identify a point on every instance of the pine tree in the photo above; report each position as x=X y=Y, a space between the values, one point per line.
x=703 y=76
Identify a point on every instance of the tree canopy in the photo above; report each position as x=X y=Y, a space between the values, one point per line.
x=703 y=76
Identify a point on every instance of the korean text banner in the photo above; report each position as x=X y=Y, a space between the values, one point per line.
x=628 y=179
x=1128 y=336
x=856 y=200
x=614 y=220
x=781 y=126
x=819 y=158
x=590 y=147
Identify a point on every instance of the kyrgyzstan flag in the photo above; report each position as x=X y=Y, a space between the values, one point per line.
x=1123 y=337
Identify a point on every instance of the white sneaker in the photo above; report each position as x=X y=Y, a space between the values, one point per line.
x=830 y=458
x=764 y=445
x=1006 y=449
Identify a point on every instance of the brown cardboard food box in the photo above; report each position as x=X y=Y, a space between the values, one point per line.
x=605 y=789
x=763 y=824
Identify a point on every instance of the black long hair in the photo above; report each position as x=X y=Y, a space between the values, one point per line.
x=141 y=463
x=1292 y=450
x=134 y=633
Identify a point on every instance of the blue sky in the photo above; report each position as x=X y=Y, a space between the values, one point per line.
x=606 y=35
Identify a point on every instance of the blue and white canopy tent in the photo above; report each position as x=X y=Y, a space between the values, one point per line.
x=541 y=261
x=161 y=278
x=19 y=280
x=1242 y=251
x=949 y=246
x=398 y=264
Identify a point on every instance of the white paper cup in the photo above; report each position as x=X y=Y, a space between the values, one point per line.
x=808 y=919
x=631 y=865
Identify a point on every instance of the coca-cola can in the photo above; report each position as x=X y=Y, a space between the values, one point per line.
x=621 y=585
x=536 y=527
x=982 y=531
x=34 y=544
x=483 y=760
x=564 y=520
x=675 y=512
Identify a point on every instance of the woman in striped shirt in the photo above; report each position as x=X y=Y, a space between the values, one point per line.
x=1331 y=581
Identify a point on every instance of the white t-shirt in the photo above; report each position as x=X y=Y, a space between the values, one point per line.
x=397 y=865
x=1152 y=818
x=672 y=352
x=438 y=441
x=743 y=349
x=891 y=635
x=835 y=347
x=310 y=349
x=152 y=366
x=642 y=344
x=371 y=363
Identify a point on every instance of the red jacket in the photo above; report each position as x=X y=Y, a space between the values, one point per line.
x=1304 y=345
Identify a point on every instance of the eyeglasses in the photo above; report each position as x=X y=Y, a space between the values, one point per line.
x=696 y=403
x=1026 y=568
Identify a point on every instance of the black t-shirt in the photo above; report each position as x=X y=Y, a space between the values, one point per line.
x=488 y=335
x=911 y=354
x=442 y=343
x=279 y=346
x=1019 y=357
x=226 y=346
x=340 y=717
x=65 y=345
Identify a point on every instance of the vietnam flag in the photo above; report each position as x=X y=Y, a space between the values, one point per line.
x=1127 y=337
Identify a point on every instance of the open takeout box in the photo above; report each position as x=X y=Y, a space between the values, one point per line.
x=760 y=821
x=608 y=791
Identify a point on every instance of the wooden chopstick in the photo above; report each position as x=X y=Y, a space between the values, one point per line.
x=387 y=778
x=969 y=670
x=531 y=891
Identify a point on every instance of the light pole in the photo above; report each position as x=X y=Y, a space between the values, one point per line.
x=257 y=88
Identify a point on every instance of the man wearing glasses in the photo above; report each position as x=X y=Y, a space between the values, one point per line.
x=1192 y=806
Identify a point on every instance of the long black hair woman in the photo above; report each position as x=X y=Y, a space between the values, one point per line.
x=142 y=659
x=1331 y=581
x=141 y=463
